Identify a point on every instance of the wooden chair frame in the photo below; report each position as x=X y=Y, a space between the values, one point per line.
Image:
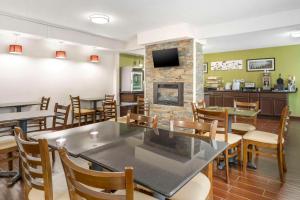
x=41 y=123
x=143 y=107
x=80 y=181
x=10 y=157
x=35 y=163
x=110 y=110
x=246 y=106
x=279 y=147
x=77 y=111
x=60 y=119
x=142 y=120
x=222 y=117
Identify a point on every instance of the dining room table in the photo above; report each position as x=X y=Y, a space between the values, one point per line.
x=19 y=105
x=93 y=100
x=163 y=161
x=23 y=117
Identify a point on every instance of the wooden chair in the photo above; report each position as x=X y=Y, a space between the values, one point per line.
x=200 y=104
x=37 y=177
x=200 y=186
x=78 y=112
x=8 y=147
x=109 y=111
x=234 y=141
x=108 y=99
x=242 y=128
x=267 y=140
x=90 y=185
x=40 y=123
x=142 y=120
x=143 y=107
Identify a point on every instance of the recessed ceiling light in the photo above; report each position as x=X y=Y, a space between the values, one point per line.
x=295 y=34
x=99 y=19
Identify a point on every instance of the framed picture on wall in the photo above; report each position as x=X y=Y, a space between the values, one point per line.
x=261 y=64
x=205 y=67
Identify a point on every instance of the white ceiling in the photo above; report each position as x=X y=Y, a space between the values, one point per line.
x=253 y=40
x=132 y=16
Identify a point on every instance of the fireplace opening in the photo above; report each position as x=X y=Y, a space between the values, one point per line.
x=168 y=93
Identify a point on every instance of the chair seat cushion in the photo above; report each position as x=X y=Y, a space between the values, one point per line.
x=243 y=127
x=84 y=111
x=137 y=195
x=232 y=138
x=7 y=142
x=196 y=189
x=261 y=136
x=60 y=189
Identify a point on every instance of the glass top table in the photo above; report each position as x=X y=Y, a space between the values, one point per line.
x=163 y=161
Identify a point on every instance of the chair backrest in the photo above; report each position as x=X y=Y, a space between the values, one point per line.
x=109 y=98
x=142 y=120
x=110 y=110
x=88 y=184
x=200 y=128
x=75 y=102
x=61 y=116
x=143 y=107
x=200 y=104
x=35 y=163
x=221 y=116
x=45 y=103
x=246 y=105
x=282 y=125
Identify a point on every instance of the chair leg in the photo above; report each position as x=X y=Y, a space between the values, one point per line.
x=280 y=164
x=10 y=163
x=227 y=165
x=245 y=155
x=239 y=149
x=53 y=157
x=284 y=162
x=94 y=117
x=85 y=119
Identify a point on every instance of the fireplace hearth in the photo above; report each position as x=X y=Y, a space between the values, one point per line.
x=168 y=93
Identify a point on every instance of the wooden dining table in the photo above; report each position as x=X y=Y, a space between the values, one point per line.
x=163 y=161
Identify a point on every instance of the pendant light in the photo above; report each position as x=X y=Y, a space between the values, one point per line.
x=15 y=48
x=94 y=58
x=60 y=54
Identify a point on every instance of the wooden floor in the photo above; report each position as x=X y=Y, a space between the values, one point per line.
x=262 y=183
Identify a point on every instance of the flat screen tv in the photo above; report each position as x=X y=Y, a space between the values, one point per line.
x=165 y=58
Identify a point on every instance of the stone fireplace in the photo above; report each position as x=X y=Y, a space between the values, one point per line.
x=170 y=90
x=168 y=93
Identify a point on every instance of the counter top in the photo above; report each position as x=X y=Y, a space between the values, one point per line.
x=131 y=92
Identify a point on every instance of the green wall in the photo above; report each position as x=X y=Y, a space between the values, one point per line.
x=287 y=62
x=130 y=60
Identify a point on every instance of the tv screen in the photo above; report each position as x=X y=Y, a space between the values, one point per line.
x=165 y=58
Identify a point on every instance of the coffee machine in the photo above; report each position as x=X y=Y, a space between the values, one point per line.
x=266 y=80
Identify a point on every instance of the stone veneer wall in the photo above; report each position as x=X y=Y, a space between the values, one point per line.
x=184 y=73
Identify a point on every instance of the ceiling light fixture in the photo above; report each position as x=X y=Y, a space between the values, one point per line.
x=99 y=19
x=94 y=58
x=295 y=34
x=60 y=54
x=15 y=48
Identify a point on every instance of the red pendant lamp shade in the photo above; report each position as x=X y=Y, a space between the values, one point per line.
x=60 y=54
x=94 y=58
x=15 y=49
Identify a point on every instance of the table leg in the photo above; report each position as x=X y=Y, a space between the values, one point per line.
x=19 y=108
x=14 y=175
x=94 y=166
x=23 y=125
x=95 y=105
